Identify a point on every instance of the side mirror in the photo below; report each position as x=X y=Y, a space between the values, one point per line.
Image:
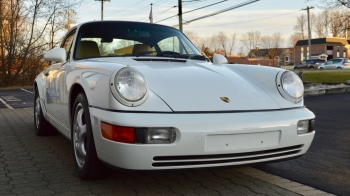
x=56 y=54
x=218 y=59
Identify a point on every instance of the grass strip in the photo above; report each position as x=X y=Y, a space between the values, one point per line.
x=325 y=77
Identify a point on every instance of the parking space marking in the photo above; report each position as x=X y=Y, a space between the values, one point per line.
x=11 y=98
x=26 y=90
x=7 y=105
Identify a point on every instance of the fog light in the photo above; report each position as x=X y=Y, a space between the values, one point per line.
x=303 y=127
x=160 y=135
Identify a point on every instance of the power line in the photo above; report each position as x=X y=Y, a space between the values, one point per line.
x=159 y=13
x=245 y=21
x=193 y=10
x=204 y=7
x=87 y=6
x=222 y=11
x=144 y=8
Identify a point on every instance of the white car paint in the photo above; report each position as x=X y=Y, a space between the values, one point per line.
x=184 y=94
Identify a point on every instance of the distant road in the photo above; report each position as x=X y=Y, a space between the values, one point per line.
x=17 y=98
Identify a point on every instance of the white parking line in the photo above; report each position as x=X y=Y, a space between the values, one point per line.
x=26 y=90
x=7 y=105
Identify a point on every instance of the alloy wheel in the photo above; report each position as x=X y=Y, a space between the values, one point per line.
x=79 y=136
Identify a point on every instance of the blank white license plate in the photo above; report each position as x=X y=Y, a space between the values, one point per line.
x=244 y=141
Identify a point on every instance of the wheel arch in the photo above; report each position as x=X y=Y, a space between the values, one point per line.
x=74 y=92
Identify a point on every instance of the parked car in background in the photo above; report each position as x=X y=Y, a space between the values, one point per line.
x=338 y=63
x=309 y=64
x=140 y=96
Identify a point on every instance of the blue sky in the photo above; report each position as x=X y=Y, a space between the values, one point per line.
x=266 y=16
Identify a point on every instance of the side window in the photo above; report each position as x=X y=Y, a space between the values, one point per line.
x=67 y=44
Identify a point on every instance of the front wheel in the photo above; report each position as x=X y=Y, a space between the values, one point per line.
x=42 y=127
x=87 y=164
x=338 y=67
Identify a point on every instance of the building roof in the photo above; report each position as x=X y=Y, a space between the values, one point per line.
x=326 y=40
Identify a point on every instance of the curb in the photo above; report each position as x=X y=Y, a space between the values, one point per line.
x=326 y=91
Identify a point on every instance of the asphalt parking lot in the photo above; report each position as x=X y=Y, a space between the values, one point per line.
x=33 y=165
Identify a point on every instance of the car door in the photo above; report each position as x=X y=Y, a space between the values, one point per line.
x=336 y=63
x=328 y=64
x=57 y=96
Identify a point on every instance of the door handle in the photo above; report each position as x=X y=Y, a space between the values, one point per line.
x=46 y=74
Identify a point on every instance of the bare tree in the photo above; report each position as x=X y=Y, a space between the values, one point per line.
x=320 y=23
x=250 y=40
x=336 y=24
x=221 y=38
x=231 y=44
x=24 y=25
x=301 y=26
x=326 y=4
x=293 y=39
x=271 y=43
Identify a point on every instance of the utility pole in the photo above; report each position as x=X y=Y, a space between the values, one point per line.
x=309 y=29
x=180 y=15
x=69 y=18
x=102 y=1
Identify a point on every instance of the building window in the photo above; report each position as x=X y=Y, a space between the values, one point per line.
x=302 y=54
x=337 y=51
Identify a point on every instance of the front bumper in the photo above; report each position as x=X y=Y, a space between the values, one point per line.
x=205 y=139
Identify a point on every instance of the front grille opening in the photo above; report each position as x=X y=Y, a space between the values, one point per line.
x=226 y=158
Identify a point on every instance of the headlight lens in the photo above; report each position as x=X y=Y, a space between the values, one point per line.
x=292 y=85
x=130 y=84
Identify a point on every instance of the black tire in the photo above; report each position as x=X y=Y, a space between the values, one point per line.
x=42 y=127
x=321 y=67
x=295 y=68
x=338 y=67
x=87 y=164
x=311 y=67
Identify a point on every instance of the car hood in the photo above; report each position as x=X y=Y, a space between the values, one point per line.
x=201 y=86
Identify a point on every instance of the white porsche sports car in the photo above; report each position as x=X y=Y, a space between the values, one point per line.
x=140 y=96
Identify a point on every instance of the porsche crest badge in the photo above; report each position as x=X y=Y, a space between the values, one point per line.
x=225 y=99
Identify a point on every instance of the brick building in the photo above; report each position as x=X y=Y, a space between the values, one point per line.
x=321 y=48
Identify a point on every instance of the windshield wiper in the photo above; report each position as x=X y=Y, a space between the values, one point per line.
x=145 y=53
x=168 y=54
x=174 y=55
x=200 y=57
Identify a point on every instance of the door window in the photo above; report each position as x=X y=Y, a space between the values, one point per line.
x=67 y=44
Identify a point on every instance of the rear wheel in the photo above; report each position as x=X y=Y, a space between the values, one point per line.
x=338 y=67
x=42 y=127
x=311 y=67
x=87 y=164
x=321 y=67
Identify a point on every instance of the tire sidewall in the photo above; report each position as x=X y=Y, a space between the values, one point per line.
x=90 y=147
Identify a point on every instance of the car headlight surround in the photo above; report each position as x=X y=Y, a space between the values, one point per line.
x=290 y=86
x=129 y=86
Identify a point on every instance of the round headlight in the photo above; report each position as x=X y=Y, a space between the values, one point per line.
x=290 y=86
x=130 y=87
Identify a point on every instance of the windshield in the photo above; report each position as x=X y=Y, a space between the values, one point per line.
x=120 y=39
